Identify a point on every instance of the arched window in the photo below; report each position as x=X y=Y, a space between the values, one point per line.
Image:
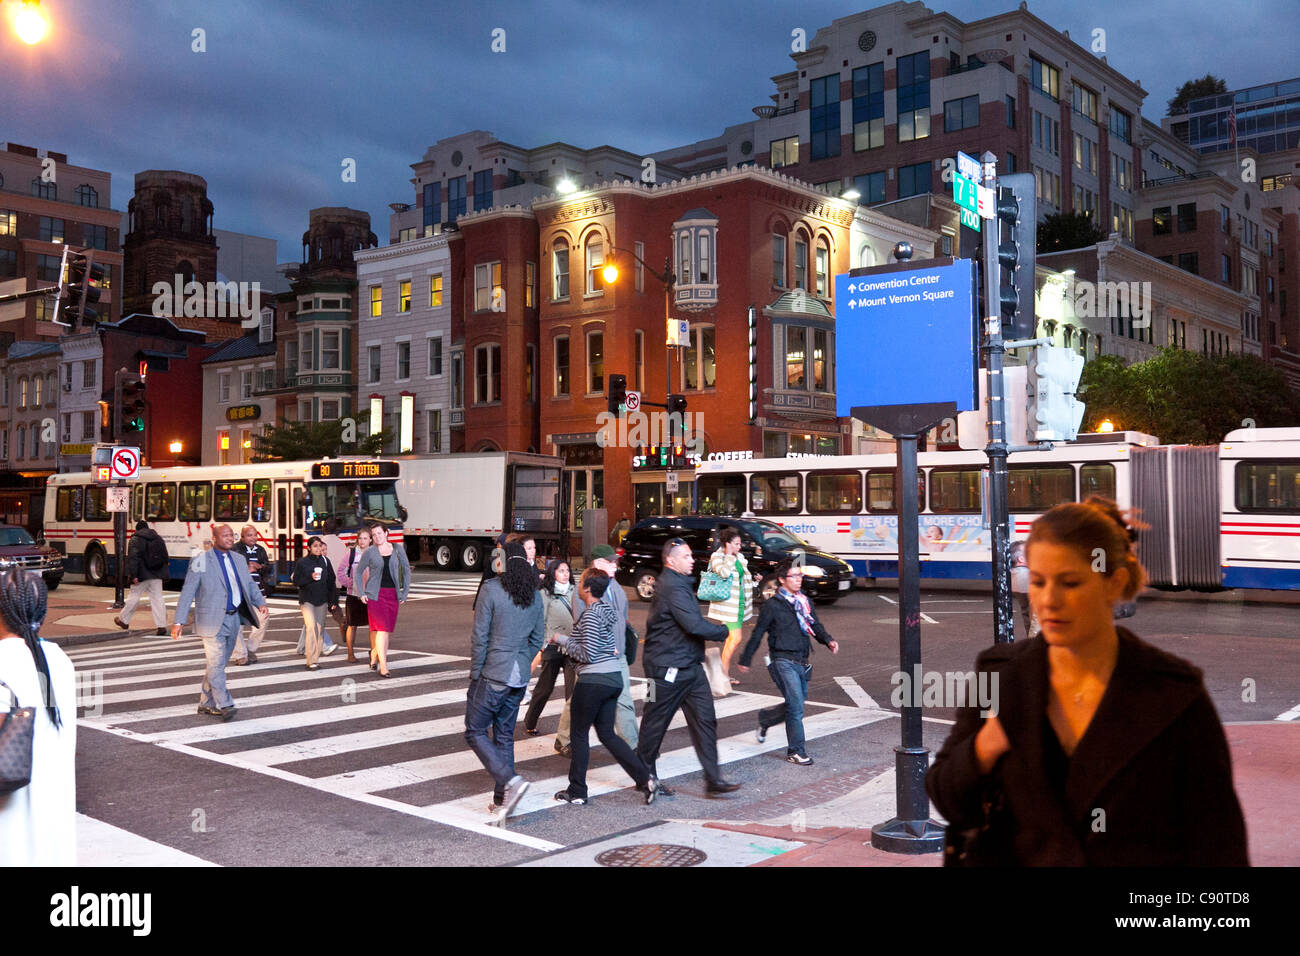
x=162 y=214
x=186 y=270
x=22 y=392
x=595 y=260
x=866 y=256
x=560 y=269
x=87 y=195
x=38 y=389
x=801 y=261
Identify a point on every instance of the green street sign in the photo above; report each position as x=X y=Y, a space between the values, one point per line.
x=964 y=193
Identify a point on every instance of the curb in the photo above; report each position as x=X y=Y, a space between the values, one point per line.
x=73 y=640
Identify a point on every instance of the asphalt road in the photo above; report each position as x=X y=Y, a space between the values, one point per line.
x=341 y=767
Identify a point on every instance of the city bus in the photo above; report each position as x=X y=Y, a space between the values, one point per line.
x=286 y=501
x=1216 y=516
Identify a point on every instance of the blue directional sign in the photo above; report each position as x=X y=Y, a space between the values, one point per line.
x=906 y=334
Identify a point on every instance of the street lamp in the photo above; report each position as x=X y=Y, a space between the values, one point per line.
x=175 y=448
x=29 y=22
x=1106 y=426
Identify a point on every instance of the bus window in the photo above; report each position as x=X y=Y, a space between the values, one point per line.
x=955 y=490
x=834 y=493
x=160 y=501
x=721 y=494
x=1034 y=488
x=1268 y=486
x=67 y=504
x=137 y=506
x=261 y=499
x=774 y=494
x=230 y=499
x=96 y=504
x=281 y=509
x=297 y=508
x=196 y=501
x=880 y=490
x=1098 y=479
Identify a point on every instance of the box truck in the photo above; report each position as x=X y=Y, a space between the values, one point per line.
x=457 y=505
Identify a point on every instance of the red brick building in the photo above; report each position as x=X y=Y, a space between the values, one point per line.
x=543 y=330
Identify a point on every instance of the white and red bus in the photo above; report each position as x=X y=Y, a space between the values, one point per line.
x=1218 y=516
x=286 y=501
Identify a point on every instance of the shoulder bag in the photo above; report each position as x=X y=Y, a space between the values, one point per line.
x=713 y=587
x=17 y=728
x=987 y=844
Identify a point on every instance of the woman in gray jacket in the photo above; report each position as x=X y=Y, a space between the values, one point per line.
x=387 y=587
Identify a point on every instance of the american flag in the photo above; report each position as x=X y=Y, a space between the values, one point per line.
x=1232 y=126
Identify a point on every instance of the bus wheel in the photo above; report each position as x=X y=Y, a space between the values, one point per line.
x=444 y=555
x=96 y=567
x=471 y=556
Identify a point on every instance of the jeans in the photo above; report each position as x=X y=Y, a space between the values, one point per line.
x=154 y=588
x=689 y=693
x=216 y=651
x=490 y=716
x=791 y=678
x=594 y=702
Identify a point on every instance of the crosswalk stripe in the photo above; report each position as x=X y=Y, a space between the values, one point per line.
x=194 y=669
x=236 y=685
x=136 y=668
x=424 y=770
x=606 y=779
x=171 y=711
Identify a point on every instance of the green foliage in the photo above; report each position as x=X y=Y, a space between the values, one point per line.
x=1186 y=397
x=1068 y=230
x=302 y=441
x=1208 y=85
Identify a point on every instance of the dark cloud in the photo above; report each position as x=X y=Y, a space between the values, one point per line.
x=287 y=90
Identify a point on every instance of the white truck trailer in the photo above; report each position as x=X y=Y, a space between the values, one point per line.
x=457 y=505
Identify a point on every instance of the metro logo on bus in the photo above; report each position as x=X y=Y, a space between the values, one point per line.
x=336 y=470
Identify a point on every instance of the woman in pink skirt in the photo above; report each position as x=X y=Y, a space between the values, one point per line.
x=386 y=587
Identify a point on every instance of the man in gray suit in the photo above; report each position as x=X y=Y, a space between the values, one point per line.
x=223 y=592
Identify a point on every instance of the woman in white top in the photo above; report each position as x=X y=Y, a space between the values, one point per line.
x=735 y=611
x=38 y=825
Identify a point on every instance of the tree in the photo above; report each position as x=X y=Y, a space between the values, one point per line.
x=1068 y=230
x=1187 y=398
x=1208 y=85
x=303 y=441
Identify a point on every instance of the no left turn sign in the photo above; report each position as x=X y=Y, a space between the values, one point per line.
x=125 y=463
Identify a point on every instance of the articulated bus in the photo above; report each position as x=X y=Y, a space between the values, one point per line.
x=286 y=501
x=1217 y=516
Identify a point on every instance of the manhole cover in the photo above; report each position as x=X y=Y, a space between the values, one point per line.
x=652 y=854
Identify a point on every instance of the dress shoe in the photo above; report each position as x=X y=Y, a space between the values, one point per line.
x=721 y=787
x=160 y=632
x=120 y=623
x=227 y=713
x=663 y=790
x=651 y=790
x=252 y=658
x=564 y=750
x=211 y=711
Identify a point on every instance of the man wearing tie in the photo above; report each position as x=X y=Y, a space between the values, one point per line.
x=223 y=593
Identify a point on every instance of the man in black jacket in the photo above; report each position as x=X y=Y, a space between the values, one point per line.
x=259 y=566
x=674 y=663
x=147 y=569
x=789 y=622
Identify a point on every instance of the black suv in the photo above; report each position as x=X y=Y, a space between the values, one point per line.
x=765 y=544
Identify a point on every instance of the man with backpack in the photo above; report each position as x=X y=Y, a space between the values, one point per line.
x=147 y=566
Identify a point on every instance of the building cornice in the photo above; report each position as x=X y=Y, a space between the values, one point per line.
x=412 y=247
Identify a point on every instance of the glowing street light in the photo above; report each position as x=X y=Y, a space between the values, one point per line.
x=1106 y=426
x=175 y=448
x=610 y=272
x=29 y=22
x=565 y=186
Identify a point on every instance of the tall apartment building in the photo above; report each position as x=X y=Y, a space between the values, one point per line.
x=46 y=202
x=1267 y=118
x=880 y=99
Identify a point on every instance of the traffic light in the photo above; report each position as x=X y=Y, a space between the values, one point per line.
x=1018 y=221
x=1051 y=381
x=677 y=405
x=130 y=408
x=617 y=394
x=84 y=284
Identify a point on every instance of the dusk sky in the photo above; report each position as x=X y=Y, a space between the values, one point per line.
x=286 y=91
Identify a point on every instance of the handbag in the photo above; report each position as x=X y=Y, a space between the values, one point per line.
x=340 y=615
x=989 y=843
x=17 y=729
x=713 y=587
x=630 y=638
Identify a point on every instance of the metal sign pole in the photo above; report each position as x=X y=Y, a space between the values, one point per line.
x=119 y=547
x=993 y=348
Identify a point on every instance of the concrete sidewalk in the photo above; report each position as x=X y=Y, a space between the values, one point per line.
x=79 y=621
x=1265 y=762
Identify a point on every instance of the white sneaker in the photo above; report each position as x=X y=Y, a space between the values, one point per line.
x=515 y=790
x=329 y=650
x=761 y=734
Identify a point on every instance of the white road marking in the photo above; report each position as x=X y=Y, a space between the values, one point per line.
x=888 y=599
x=1291 y=714
x=856 y=694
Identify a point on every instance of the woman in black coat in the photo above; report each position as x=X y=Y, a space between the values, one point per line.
x=1100 y=749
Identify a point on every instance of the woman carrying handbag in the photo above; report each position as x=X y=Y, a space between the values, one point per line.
x=729 y=565
x=38 y=734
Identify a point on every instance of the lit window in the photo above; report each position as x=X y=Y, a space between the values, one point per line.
x=376 y=301
x=595 y=259
x=404 y=296
x=488 y=292
x=435 y=291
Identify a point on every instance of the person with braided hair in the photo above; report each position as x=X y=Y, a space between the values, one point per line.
x=38 y=821
x=1099 y=748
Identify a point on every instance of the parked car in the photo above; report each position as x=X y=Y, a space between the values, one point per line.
x=764 y=543
x=17 y=549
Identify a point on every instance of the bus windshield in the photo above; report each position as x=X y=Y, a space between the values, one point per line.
x=343 y=506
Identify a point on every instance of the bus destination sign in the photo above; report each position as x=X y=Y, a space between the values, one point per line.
x=342 y=470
